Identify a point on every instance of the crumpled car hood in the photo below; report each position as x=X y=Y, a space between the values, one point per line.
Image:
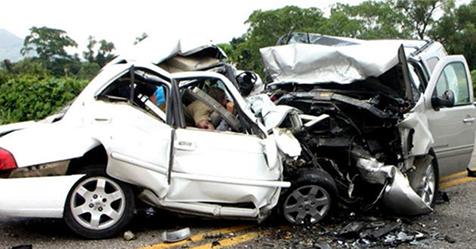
x=310 y=63
x=327 y=59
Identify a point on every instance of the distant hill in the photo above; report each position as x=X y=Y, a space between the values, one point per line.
x=10 y=46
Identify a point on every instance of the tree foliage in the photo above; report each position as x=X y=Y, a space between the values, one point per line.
x=265 y=27
x=373 y=19
x=47 y=43
x=99 y=52
x=140 y=38
x=31 y=97
x=456 y=29
x=420 y=13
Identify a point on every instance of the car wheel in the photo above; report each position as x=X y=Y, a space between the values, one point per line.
x=98 y=206
x=310 y=198
x=424 y=180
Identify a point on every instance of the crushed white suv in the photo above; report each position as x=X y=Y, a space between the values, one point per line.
x=393 y=115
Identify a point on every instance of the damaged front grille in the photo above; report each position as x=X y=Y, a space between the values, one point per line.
x=358 y=143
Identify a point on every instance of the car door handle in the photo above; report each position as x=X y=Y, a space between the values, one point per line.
x=185 y=145
x=468 y=120
x=102 y=120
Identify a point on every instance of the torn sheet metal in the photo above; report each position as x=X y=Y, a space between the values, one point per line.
x=158 y=49
x=273 y=115
x=315 y=58
x=375 y=172
x=420 y=138
x=286 y=142
x=402 y=199
x=399 y=196
x=175 y=236
x=310 y=64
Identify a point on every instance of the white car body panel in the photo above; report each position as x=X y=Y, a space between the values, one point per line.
x=35 y=196
x=234 y=155
x=47 y=143
x=16 y=126
x=157 y=49
x=137 y=145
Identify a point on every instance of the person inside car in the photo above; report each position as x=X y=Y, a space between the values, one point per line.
x=198 y=114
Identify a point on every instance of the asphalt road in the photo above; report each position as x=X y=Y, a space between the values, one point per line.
x=451 y=225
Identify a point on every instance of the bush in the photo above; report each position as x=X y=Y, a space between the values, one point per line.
x=30 y=97
x=88 y=71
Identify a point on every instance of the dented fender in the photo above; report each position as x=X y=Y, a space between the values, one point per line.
x=398 y=194
x=402 y=199
x=414 y=129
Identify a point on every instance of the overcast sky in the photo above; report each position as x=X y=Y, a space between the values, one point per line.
x=121 y=22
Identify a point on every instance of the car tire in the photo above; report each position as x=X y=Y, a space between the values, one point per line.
x=424 y=180
x=98 y=206
x=310 y=199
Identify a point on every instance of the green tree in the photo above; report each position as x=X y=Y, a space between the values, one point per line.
x=105 y=54
x=47 y=43
x=456 y=29
x=88 y=70
x=89 y=53
x=100 y=55
x=371 y=20
x=340 y=24
x=27 y=66
x=67 y=67
x=50 y=46
x=265 y=27
x=420 y=13
x=140 y=38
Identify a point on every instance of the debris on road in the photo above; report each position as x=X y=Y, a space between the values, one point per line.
x=176 y=236
x=128 y=236
x=351 y=230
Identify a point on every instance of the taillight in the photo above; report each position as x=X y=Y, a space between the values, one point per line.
x=6 y=160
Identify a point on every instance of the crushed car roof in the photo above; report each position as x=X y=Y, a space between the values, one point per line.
x=313 y=58
x=158 y=49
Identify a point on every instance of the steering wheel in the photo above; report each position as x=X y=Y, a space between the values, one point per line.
x=252 y=75
x=246 y=82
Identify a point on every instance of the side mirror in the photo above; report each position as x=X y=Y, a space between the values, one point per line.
x=446 y=100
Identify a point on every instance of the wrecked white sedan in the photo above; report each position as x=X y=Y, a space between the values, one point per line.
x=393 y=115
x=117 y=143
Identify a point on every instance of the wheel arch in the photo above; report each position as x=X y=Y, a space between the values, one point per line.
x=95 y=156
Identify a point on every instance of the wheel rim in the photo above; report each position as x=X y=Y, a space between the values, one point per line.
x=307 y=205
x=97 y=203
x=428 y=186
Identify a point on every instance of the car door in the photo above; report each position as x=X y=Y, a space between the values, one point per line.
x=223 y=166
x=133 y=130
x=452 y=127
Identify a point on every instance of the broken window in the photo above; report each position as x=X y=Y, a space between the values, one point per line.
x=208 y=104
x=141 y=89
